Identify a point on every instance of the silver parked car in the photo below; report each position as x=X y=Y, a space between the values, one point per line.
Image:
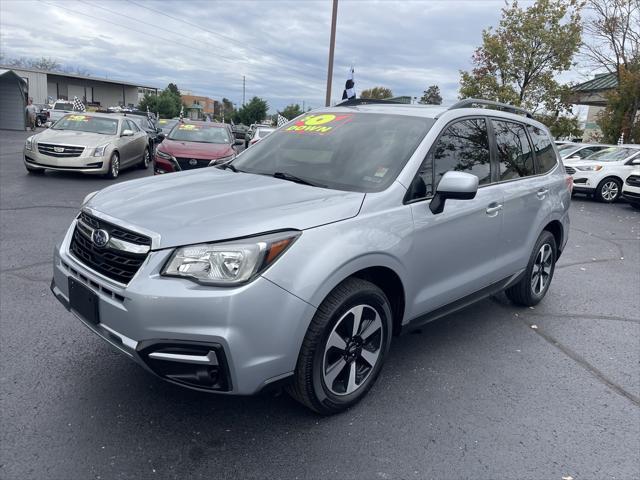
x=91 y=143
x=299 y=260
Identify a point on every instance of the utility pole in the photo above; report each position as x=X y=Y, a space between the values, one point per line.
x=302 y=106
x=243 y=89
x=332 y=45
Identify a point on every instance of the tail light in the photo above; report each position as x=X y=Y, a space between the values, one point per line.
x=569 y=181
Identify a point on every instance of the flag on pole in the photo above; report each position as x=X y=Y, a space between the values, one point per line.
x=181 y=113
x=281 y=120
x=349 y=90
x=621 y=139
x=78 y=105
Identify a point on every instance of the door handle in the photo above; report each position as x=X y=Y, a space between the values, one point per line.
x=493 y=209
x=542 y=193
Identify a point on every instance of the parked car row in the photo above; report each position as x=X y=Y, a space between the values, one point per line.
x=600 y=171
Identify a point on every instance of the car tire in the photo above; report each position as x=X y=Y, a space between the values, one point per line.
x=114 y=166
x=38 y=122
x=537 y=277
x=34 y=171
x=146 y=159
x=608 y=190
x=336 y=368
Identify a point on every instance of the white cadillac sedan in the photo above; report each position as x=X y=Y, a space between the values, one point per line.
x=90 y=143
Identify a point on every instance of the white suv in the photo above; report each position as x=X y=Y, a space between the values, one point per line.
x=603 y=173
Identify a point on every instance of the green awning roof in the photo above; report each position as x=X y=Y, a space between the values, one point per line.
x=603 y=81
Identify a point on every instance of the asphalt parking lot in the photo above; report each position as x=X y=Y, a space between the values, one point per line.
x=492 y=392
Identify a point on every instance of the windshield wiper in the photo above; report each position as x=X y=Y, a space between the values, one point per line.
x=224 y=166
x=293 y=178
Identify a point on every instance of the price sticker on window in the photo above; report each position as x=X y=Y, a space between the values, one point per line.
x=321 y=124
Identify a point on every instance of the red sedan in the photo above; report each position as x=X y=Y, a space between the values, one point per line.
x=192 y=144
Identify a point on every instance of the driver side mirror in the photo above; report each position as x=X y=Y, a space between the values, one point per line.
x=160 y=135
x=635 y=161
x=454 y=186
x=127 y=133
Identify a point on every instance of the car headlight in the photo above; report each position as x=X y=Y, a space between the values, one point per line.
x=89 y=197
x=99 y=151
x=590 y=168
x=222 y=160
x=228 y=263
x=28 y=144
x=162 y=154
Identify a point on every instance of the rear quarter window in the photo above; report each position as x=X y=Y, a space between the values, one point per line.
x=546 y=158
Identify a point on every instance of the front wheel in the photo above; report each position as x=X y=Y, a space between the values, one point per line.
x=114 y=166
x=146 y=158
x=533 y=286
x=609 y=190
x=344 y=348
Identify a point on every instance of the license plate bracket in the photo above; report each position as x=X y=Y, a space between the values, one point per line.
x=84 y=302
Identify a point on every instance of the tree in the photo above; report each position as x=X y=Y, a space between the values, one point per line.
x=291 y=111
x=379 y=93
x=518 y=61
x=613 y=44
x=227 y=110
x=252 y=112
x=620 y=117
x=167 y=103
x=173 y=88
x=431 y=96
x=561 y=126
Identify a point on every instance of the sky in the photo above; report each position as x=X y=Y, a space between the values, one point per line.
x=279 y=46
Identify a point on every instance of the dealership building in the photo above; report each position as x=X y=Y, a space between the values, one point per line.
x=45 y=87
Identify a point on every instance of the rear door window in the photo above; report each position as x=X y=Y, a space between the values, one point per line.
x=546 y=158
x=514 y=152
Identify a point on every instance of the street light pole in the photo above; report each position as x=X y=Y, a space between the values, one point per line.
x=332 y=44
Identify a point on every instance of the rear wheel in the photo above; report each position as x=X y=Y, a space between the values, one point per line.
x=344 y=348
x=114 y=166
x=609 y=190
x=537 y=277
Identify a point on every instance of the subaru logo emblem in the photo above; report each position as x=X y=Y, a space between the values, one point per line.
x=58 y=149
x=100 y=238
x=193 y=162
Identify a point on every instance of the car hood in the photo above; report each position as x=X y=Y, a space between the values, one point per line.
x=70 y=137
x=196 y=149
x=210 y=204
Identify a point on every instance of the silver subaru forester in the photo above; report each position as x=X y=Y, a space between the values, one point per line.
x=295 y=264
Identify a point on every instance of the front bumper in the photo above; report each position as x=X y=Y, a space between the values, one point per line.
x=255 y=330
x=82 y=164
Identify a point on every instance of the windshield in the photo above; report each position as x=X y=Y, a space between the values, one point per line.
x=613 y=154
x=361 y=152
x=63 y=106
x=263 y=132
x=167 y=125
x=189 y=132
x=87 y=123
x=567 y=146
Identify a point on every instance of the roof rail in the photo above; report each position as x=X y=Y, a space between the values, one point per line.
x=470 y=102
x=366 y=101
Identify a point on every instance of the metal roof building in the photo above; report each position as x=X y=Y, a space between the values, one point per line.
x=46 y=86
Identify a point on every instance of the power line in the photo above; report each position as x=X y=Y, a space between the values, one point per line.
x=129 y=30
x=225 y=37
